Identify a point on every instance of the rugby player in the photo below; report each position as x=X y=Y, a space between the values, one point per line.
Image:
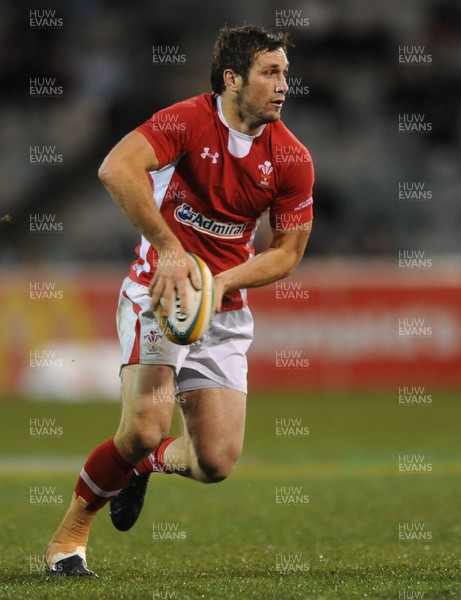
x=196 y=177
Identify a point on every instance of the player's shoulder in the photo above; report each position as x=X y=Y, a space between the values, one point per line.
x=283 y=140
x=198 y=107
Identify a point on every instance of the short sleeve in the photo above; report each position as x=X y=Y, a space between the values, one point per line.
x=292 y=205
x=168 y=132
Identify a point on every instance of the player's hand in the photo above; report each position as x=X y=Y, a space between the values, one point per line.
x=174 y=267
x=220 y=288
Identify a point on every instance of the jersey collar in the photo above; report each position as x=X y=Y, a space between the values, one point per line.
x=238 y=133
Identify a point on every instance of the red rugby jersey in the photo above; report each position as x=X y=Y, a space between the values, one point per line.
x=214 y=183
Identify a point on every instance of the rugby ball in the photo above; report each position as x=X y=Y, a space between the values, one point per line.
x=181 y=328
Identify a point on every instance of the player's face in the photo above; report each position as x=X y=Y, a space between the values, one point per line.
x=261 y=98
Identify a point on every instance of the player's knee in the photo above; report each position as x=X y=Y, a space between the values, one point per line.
x=146 y=441
x=217 y=467
x=138 y=442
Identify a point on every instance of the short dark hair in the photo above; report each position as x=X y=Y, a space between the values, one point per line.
x=236 y=47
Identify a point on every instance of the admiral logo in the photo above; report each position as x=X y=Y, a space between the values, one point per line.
x=186 y=215
x=206 y=154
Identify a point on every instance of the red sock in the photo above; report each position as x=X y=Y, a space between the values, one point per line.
x=104 y=474
x=154 y=462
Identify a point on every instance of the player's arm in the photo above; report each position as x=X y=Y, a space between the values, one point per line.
x=278 y=261
x=124 y=174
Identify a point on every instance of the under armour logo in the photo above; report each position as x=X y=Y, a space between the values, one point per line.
x=214 y=157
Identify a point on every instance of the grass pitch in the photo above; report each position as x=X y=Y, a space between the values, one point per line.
x=315 y=515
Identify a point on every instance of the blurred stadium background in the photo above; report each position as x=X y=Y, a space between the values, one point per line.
x=340 y=312
x=370 y=321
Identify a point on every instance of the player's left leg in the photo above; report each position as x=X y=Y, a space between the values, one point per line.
x=213 y=430
x=212 y=399
x=214 y=425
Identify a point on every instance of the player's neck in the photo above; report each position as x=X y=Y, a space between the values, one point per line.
x=229 y=108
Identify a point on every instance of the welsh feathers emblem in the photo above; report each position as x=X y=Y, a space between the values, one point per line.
x=266 y=169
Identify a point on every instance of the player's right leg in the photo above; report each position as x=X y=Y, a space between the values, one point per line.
x=141 y=428
x=145 y=422
x=144 y=350
x=148 y=400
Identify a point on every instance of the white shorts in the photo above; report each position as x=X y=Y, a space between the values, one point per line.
x=217 y=360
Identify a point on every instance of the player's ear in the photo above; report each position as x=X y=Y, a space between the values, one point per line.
x=232 y=81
